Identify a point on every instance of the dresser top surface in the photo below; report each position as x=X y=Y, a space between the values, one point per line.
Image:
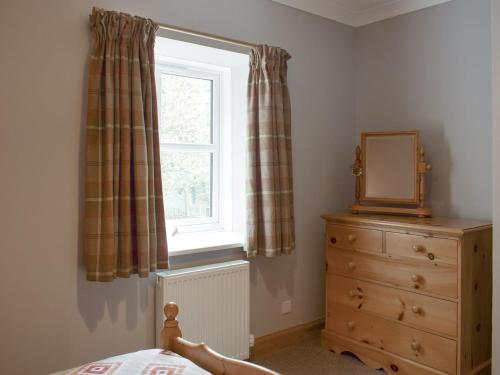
x=433 y=224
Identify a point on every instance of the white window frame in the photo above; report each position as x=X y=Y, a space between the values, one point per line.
x=188 y=69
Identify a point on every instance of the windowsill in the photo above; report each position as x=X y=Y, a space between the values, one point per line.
x=192 y=243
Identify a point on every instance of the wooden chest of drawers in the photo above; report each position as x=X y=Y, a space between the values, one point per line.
x=409 y=295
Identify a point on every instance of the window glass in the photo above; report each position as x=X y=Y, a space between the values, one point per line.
x=187 y=184
x=185 y=110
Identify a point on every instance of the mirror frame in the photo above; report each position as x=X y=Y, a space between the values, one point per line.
x=415 y=135
x=415 y=207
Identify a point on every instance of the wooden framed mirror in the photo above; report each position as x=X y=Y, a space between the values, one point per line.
x=390 y=174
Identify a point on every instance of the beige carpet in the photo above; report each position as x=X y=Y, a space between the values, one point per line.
x=310 y=358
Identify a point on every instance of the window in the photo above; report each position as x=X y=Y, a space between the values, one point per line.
x=202 y=116
x=189 y=126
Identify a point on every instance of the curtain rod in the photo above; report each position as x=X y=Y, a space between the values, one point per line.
x=206 y=35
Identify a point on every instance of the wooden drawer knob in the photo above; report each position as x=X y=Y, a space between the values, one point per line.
x=415 y=345
x=333 y=240
x=351 y=266
x=419 y=249
x=355 y=293
x=351 y=325
x=415 y=278
x=416 y=309
x=351 y=238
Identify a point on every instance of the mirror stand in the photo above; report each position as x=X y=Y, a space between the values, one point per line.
x=394 y=207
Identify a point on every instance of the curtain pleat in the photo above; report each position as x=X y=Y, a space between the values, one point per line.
x=270 y=216
x=124 y=218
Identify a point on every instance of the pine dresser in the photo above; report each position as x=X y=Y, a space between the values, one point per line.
x=409 y=295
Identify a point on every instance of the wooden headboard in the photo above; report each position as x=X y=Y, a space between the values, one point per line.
x=201 y=354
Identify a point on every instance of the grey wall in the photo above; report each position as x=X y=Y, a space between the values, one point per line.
x=431 y=70
x=51 y=318
x=428 y=70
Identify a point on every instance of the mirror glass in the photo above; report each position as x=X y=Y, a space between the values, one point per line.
x=390 y=167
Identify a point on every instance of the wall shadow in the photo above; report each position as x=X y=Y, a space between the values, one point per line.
x=438 y=181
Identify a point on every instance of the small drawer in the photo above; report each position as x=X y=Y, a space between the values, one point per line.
x=431 y=249
x=422 y=347
x=351 y=238
x=440 y=279
x=395 y=304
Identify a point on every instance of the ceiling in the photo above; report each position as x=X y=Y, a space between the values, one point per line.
x=359 y=12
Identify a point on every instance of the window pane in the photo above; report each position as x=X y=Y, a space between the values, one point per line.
x=187 y=184
x=186 y=110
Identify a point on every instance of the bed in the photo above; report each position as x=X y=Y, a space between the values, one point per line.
x=177 y=357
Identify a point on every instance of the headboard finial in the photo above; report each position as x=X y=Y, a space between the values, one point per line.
x=171 y=328
x=171 y=310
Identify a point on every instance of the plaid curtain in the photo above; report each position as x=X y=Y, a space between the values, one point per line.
x=270 y=221
x=124 y=218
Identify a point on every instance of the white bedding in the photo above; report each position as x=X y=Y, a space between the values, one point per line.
x=144 y=362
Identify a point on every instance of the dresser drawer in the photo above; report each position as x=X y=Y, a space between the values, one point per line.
x=422 y=347
x=351 y=238
x=418 y=310
x=430 y=249
x=432 y=278
x=391 y=363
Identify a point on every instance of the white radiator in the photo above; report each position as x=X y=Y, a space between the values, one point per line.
x=214 y=305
